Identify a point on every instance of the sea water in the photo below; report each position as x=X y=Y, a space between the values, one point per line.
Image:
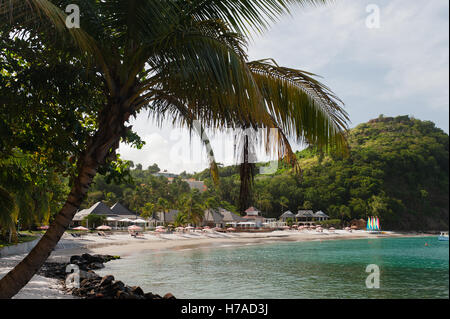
x=408 y=268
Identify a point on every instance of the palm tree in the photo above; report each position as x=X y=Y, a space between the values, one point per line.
x=148 y=210
x=180 y=220
x=191 y=208
x=163 y=205
x=180 y=59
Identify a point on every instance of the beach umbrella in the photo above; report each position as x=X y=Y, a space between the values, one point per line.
x=139 y=221
x=134 y=227
x=111 y=219
x=103 y=227
x=159 y=227
x=80 y=228
x=160 y=230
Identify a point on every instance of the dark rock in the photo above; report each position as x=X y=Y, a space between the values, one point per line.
x=93 y=259
x=169 y=296
x=106 y=280
x=77 y=259
x=92 y=286
x=88 y=275
x=95 y=265
x=149 y=295
x=122 y=295
x=136 y=290
x=118 y=285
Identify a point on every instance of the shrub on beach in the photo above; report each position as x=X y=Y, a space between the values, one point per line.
x=330 y=222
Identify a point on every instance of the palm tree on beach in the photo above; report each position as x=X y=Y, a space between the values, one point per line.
x=191 y=208
x=182 y=60
x=162 y=205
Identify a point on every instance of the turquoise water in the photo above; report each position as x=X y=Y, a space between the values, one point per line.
x=326 y=269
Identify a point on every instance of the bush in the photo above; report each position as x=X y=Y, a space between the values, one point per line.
x=330 y=222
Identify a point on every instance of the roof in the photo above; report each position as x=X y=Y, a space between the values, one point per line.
x=305 y=213
x=168 y=217
x=98 y=209
x=212 y=216
x=287 y=214
x=230 y=216
x=119 y=209
x=320 y=214
x=200 y=185
x=251 y=209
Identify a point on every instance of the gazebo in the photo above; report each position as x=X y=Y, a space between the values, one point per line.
x=320 y=215
x=305 y=216
x=286 y=215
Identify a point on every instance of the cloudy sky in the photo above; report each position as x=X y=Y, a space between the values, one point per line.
x=398 y=68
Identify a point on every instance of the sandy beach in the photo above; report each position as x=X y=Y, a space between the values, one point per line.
x=124 y=245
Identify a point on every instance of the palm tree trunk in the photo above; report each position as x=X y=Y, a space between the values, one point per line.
x=246 y=171
x=100 y=147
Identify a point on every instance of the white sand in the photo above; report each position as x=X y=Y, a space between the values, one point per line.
x=39 y=287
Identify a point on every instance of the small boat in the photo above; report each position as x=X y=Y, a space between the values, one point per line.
x=443 y=236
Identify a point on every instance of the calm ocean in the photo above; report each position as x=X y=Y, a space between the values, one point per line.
x=320 y=269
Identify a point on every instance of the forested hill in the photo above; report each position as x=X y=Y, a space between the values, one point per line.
x=398 y=169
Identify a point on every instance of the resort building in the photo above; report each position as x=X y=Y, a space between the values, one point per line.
x=273 y=223
x=305 y=217
x=193 y=184
x=161 y=219
x=253 y=215
x=117 y=216
x=220 y=218
x=286 y=215
x=320 y=216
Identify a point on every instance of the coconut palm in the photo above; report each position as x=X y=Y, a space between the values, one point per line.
x=191 y=208
x=162 y=205
x=182 y=60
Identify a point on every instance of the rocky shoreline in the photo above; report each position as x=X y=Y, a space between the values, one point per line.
x=93 y=286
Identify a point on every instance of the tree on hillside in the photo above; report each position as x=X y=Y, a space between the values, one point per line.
x=182 y=59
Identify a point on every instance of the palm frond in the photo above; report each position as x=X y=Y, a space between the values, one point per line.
x=244 y=15
x=301 y=106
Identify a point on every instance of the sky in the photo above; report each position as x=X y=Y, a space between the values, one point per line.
x=387 y=57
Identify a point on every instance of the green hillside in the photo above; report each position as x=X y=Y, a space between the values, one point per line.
x=398 y=169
